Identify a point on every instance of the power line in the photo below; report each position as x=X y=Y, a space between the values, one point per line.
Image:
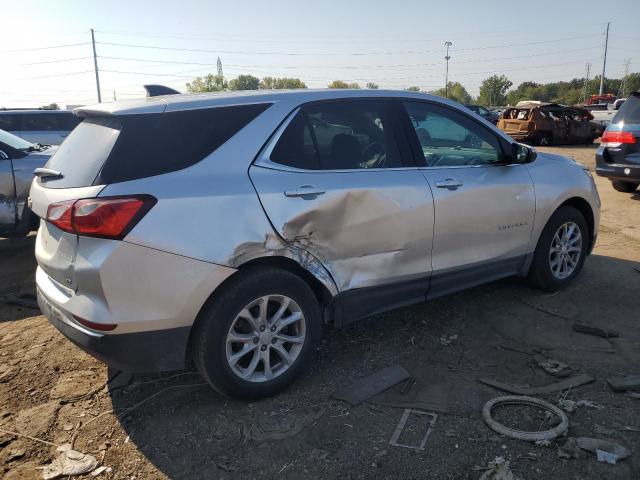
x=61 y=60
x=245 y=52
x=54 y=75
x=45 y=48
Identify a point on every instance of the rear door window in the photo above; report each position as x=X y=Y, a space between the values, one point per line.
x=629 y=111
x=104 y=150
x=41 y=122
x=341 y=136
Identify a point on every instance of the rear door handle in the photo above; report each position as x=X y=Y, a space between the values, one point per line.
x=449 y=183
x=304 y=191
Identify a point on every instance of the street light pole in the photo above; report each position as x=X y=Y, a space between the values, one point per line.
x=446 y=74
x=604 y=62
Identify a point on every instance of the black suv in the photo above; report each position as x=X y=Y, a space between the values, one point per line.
x=618 y=157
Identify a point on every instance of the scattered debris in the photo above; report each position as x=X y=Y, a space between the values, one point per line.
x=520 y=434
x=553 y=366
x=403 y=421
x=630 y=429
x=498 y=469
x=542 y=309
x=610 y=452
x=569 y=449
x=634 y=395
x=544 y=443
x=448 y=340
x=283 y=426
x=622 y=384
x=571 y=382
x=515 y=349
x=15 y=454
x=319 y=454
x=408 y=386
x=593 y=330
x=99 y=470
x=69 y=462
x=572 y=405
x=367 y=387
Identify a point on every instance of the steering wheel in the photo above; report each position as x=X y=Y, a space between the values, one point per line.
x=372 y=150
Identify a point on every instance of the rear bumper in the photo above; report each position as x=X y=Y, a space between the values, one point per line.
x=625 y=173
x=153 y=351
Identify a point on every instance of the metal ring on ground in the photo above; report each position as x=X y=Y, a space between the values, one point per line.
x=521 y=434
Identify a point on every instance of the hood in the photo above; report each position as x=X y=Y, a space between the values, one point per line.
x=554 y=157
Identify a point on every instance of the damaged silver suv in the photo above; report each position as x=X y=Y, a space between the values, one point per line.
x=225 y=229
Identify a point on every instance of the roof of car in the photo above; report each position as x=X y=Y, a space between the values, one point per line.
x=216 y=99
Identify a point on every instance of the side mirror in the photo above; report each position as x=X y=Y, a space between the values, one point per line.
x=522 y=153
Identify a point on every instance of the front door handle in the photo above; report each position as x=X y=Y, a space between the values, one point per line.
x=304 y=191
x=449 y=183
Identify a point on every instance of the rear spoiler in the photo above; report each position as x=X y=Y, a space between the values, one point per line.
x=157 y=90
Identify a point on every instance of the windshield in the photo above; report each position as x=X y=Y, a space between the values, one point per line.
x=15 y=142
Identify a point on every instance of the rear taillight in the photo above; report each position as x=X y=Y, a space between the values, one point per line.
x=615 y=139
x=106 y=217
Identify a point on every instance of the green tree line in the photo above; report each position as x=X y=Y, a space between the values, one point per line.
x=495 y=90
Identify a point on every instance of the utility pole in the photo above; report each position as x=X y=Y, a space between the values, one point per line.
x=623 y=87
x=446 y=74
x=95 y=65
x=219 y=65
x=585 y=88
x=604 y=62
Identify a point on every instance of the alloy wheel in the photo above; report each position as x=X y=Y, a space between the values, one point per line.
x=566 y=249
x=265 y=338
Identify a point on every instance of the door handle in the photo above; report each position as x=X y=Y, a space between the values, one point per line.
x=304 y=191
x=449 y=183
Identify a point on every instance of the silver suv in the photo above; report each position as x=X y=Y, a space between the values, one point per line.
x=226 y=229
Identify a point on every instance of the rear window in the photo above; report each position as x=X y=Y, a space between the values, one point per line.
x=629 y=111
x=10 y=122
x=106 y=150
x=47 y=122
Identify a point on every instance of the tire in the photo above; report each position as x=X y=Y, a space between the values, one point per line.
x=213 y=350
x=545 y=139
x=545 y=272
x=625 y=187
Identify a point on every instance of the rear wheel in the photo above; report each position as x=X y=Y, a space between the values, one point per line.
x=622 y=186
x=545 y=139
x=258 y=334
x=561 y=250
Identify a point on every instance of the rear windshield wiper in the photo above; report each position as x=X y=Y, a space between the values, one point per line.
x=47 y=173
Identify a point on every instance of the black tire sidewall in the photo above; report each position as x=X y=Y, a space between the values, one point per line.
x=215 y=321
x=624 y=187
x=540 y=271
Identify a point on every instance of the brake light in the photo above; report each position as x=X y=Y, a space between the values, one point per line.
x=615 y=139
x=60 y=215
x=106 y=217
x=103 y=327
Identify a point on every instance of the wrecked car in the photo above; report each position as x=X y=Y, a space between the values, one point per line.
x=224 y=230
x=18 y=160
x=541 y=123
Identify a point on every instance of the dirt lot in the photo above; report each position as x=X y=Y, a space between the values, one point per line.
x=51 y=390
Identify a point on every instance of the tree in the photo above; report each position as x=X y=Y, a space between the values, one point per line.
x=455 y=91
x=271 y=83
x=493 y=90
x=51 y=106
x=342 y=84
x=209 y=83
x=244 y=82
x=413 y=89
x=372 y=86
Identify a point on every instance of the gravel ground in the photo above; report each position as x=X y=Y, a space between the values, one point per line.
x=50 y=390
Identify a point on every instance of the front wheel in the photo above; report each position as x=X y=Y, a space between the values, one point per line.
x=561 y=250
x=258 y=334
x=625 y=187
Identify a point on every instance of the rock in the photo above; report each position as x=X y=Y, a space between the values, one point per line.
x=73 y=385
x=68 y=463
x=15 y=454
x=36 y=421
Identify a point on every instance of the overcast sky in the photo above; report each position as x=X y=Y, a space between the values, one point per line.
x=395 y=44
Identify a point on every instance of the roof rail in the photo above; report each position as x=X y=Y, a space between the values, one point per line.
x=157 y=90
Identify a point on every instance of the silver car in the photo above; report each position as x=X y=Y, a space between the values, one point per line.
x=224 y=230
x=18 y=160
